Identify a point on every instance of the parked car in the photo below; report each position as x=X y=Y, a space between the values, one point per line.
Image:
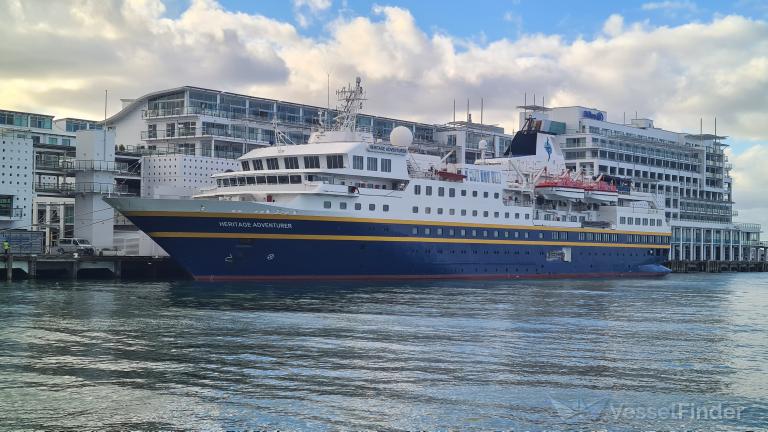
x=72 y=245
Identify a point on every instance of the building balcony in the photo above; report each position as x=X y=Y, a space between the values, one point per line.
x=166 y=134
x=54 y=188
x=11 y=214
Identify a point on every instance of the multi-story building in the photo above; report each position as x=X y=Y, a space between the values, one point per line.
x=40 y=195
x=691 y=171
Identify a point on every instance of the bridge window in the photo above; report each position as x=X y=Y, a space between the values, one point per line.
x=386 y=165
x=373 y=164
x=261 y=180
x=334 y=161
x=440 y=191
x=295 y=179
x=357 y=162
x=451 y=192
x=246 y=166
x=311 y=162
x=258 y=165
x=291 y=163
x=250 y=180
x=272 y=164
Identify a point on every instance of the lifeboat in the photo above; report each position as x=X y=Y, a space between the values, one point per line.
x=562 y=188
x=450 y=176
x=601 y=192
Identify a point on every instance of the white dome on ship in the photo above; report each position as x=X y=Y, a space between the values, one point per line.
x=401 y=136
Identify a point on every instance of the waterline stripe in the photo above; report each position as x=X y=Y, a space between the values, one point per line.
x=173 y=234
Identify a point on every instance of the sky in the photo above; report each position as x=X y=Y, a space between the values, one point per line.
x=677 y=62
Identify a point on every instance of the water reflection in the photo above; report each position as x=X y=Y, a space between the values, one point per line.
x=426 y=355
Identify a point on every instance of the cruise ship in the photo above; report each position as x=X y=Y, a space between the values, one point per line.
x=350 y=206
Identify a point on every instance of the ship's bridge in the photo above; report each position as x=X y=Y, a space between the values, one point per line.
x=319 y=168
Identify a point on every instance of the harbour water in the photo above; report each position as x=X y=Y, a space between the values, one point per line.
x=686 y=352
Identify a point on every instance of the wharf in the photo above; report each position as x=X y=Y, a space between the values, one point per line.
x=717 y=266
x=15 y=267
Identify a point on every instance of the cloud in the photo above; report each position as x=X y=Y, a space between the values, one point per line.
x=305 y=10
x=58 y=57
x=670 y=5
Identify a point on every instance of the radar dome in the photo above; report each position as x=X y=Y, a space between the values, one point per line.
x=401 y=136
x=482 y=145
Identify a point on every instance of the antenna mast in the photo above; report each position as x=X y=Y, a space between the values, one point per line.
x=350 y=103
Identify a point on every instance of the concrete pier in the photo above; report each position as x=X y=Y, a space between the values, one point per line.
x=101 y=267
x=717 y=266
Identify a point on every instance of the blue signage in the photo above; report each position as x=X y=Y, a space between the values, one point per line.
x=594 y=116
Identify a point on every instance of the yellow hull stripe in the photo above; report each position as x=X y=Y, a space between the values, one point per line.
x=171 y=234
x=372 y=220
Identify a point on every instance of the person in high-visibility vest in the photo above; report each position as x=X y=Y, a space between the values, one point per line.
x=6 y=247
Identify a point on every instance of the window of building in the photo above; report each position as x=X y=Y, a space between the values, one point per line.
x=440 y=191
x=373 y=164
x=291 y=163
x=429 y=190
x=272 y=164
x=474 y=193
x=334 y=161
x=311 y=161
x=417 y=189
x=386 y=165
x=357 y=162
x=463 y=192
x=451 y=192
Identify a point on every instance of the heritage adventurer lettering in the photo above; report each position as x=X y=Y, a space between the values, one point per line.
x=255 y=225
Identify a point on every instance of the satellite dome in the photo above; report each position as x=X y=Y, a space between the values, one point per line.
x=401 y=136
x=482 y=145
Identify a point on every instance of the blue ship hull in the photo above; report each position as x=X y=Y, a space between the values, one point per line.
x=227 y=246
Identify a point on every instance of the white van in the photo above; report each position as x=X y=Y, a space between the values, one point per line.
x=72 y=245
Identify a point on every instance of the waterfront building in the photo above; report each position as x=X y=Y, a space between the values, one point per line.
x=40 y=195
x=690 y=171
